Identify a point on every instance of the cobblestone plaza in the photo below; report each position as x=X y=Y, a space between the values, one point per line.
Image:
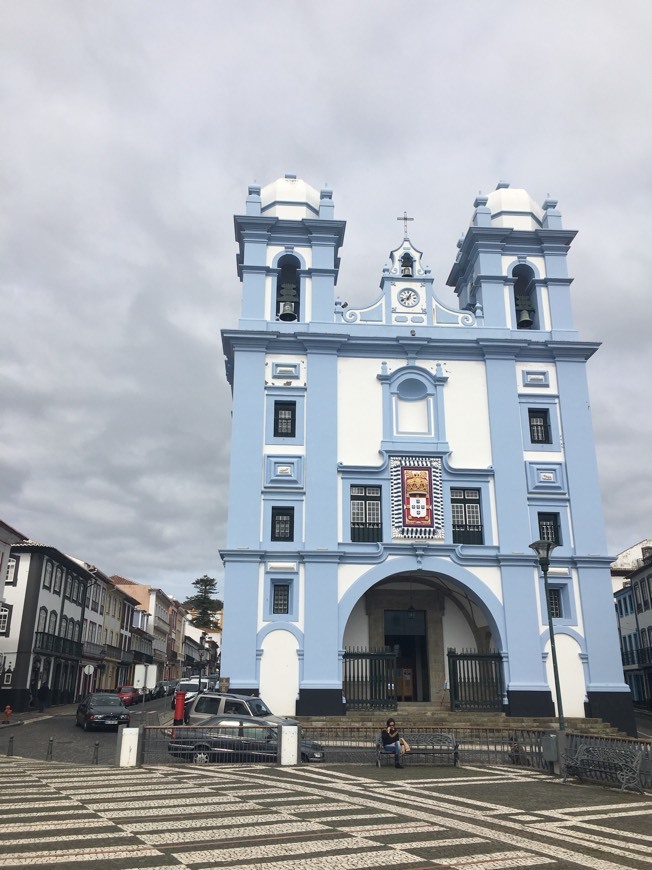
x=289 y=818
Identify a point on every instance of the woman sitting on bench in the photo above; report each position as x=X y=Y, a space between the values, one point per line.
x=392 y=741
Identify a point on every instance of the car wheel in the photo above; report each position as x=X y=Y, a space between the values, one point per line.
x=201 y=755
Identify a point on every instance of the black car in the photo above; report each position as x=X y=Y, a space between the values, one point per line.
x=101 y=710
x=234 y=739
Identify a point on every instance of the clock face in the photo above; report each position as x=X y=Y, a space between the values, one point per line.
x=408 y=297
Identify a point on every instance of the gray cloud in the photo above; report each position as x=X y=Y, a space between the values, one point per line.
x=129 y=134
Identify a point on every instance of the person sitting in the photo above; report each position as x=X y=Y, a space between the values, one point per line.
x=392 y=741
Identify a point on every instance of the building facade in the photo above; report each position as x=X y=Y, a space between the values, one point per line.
x=392 y=463
x=633 y=597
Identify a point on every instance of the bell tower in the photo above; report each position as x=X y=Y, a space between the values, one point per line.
x=511 y=267
x=288 y=254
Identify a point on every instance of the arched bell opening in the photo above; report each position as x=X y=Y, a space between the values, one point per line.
x=525 y=297
x=407 y=266
x=288 y=297
x=408 y=623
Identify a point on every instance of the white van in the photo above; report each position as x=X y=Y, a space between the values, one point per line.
x=193 y=687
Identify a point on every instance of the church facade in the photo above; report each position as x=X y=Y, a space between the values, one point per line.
x=392 y=463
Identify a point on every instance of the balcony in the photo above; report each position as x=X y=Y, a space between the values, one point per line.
x=113 y=652
x=145 y=658
x=93 y=650
x=126 y=656
x=52 y=643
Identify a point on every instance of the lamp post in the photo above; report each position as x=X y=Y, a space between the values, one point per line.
x=543 y=549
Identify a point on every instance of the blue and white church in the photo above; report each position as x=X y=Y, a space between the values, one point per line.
x=392 y=463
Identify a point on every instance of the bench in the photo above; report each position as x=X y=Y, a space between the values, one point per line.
x=430 y=747
x=610 y=764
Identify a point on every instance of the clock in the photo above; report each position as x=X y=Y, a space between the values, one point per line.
x=408 y=297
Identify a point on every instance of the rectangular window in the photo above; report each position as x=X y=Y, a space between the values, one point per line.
x=5 y=619
x=282 y=524
x=467 y=517
x=280 y=598
x=539 y=419
x=555 y=603
x=285 y=419
x=637 y=596
x=10 y=578
x=549 y=527
x=644 y=594
x=366 y=514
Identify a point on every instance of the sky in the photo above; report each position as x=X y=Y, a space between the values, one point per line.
x=129 y=133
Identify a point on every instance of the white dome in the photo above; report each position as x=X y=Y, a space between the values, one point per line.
x=514 y=207
x=289 y=198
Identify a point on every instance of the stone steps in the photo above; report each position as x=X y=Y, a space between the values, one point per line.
x=433 y=717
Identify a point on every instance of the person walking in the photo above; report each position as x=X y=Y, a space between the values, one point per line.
x=392 y=741
x=43 y=696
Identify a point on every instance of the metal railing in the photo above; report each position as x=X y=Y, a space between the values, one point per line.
x=598 y=740
x=354 y=745
x=52 y=643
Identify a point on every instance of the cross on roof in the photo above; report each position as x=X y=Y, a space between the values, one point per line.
x=405 y=220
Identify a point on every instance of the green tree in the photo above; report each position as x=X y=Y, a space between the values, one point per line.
x=203 y=603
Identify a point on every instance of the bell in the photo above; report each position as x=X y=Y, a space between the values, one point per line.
x=524 y=319
x=287 y=312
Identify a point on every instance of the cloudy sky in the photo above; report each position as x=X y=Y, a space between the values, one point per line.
x=129 y=131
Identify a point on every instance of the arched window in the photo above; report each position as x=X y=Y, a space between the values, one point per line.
x=52 y=622
x=42 y=616
x=64 y=626
x=407 y=266
x=288 y=301
x=47 y=579
x=524 y=296
x=57 y=580
x=70 y=634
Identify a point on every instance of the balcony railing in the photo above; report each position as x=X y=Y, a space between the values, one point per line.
x=52 y=643
x=113 y=652
x=638 y=657
x=145 y=658
x=93 y=650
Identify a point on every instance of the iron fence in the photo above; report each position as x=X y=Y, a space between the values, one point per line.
x=369 y=678
x=476 y=681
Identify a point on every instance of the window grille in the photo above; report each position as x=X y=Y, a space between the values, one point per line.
x=281 y=598
x=366 y=514
x=466 y=516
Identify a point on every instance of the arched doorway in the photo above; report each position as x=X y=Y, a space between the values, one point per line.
x=415 y=617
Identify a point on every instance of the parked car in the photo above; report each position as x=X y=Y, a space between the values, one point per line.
x=192 y=687
x=163 y=688
x=100 y=710
x=129 y=695
x=208 y=704
x=234 y=739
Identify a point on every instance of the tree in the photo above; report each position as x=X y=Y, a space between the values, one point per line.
x=203 y=603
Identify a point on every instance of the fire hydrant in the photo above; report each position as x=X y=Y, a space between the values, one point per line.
x=8 y=712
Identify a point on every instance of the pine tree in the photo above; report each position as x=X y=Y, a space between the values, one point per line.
x=204 y=603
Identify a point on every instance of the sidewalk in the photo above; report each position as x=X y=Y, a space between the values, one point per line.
x=253 y=817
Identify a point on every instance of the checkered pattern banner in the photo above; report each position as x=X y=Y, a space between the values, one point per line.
x=417 y=501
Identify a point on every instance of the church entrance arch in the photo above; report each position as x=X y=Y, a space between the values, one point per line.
x=418 y=616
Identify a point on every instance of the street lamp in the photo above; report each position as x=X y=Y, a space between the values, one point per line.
x=543 y=549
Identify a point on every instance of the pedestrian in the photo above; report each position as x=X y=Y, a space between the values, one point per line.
x=392 y=741
x=43 y=696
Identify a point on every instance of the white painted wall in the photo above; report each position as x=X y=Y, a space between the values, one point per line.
x=279 y=672
x=467 y=414
x=571 y=675
x=356 y=632
x=360 y=430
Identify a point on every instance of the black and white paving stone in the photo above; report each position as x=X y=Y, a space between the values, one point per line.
x=269 y=818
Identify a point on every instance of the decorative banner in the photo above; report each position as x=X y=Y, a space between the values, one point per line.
x=417 y=503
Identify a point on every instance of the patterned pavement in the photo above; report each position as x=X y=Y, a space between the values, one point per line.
x=468 y=818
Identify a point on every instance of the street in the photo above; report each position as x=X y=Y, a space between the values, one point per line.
x=69 y=743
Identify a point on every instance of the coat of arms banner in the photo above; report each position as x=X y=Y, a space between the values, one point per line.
x=417 y=502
